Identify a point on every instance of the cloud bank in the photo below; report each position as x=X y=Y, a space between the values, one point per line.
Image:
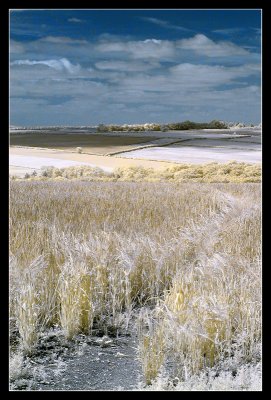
x=114 y=79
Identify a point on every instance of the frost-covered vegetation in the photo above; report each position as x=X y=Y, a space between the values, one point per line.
x=128 y=128
x=185 y=125
x=214 y=124
x=235 y=172
x=185 y=258
x=224 y=377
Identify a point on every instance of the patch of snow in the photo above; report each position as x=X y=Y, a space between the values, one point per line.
x=39 y=162
x=193 y=154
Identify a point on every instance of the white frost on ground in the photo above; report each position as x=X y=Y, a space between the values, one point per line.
x=241 y=144
x=245 y=139
x=193 y=154
x=38 y=162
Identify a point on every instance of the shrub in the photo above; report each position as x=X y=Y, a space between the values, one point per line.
x=211 y=172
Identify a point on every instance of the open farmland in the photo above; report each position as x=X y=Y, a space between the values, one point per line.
x=195 y=154
x=204 y=149
x=23 y=159
x=30 y=150
x=179 y=271
x=90 y=143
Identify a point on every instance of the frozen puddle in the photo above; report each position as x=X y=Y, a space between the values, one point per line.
x=195 y=154
x=38 y=162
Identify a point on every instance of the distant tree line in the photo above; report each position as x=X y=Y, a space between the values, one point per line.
x=185 y=125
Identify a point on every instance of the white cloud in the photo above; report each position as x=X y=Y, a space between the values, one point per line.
x=233 y=104
x=164 y=24
x=185 y=79
x=16 y=47
x=156 y=41
x=210 y=75
x=59 y=65
x=228 y=31
x=118 y=79
x=197 y=46
x=76 y=20
x=149 y=48
x=125 y=66
x=202 y=45
x=62 y=40
x=182 y=83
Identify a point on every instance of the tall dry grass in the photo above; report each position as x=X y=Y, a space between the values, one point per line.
x=185 y=256
x=212 y=310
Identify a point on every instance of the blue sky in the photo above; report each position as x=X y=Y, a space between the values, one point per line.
x=85 y=67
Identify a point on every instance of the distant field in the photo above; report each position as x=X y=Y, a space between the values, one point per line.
x=95 y=144
x=195 y=154
x=246 y=143
x=33 y=150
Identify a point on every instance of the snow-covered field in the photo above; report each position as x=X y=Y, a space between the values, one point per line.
x=38 y=162
x=24 y=160
x=195 y=154
x=249 y=144
x=250 y=139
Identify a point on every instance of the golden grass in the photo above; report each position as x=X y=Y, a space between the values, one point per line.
x=188 y=255
x=213 y=307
